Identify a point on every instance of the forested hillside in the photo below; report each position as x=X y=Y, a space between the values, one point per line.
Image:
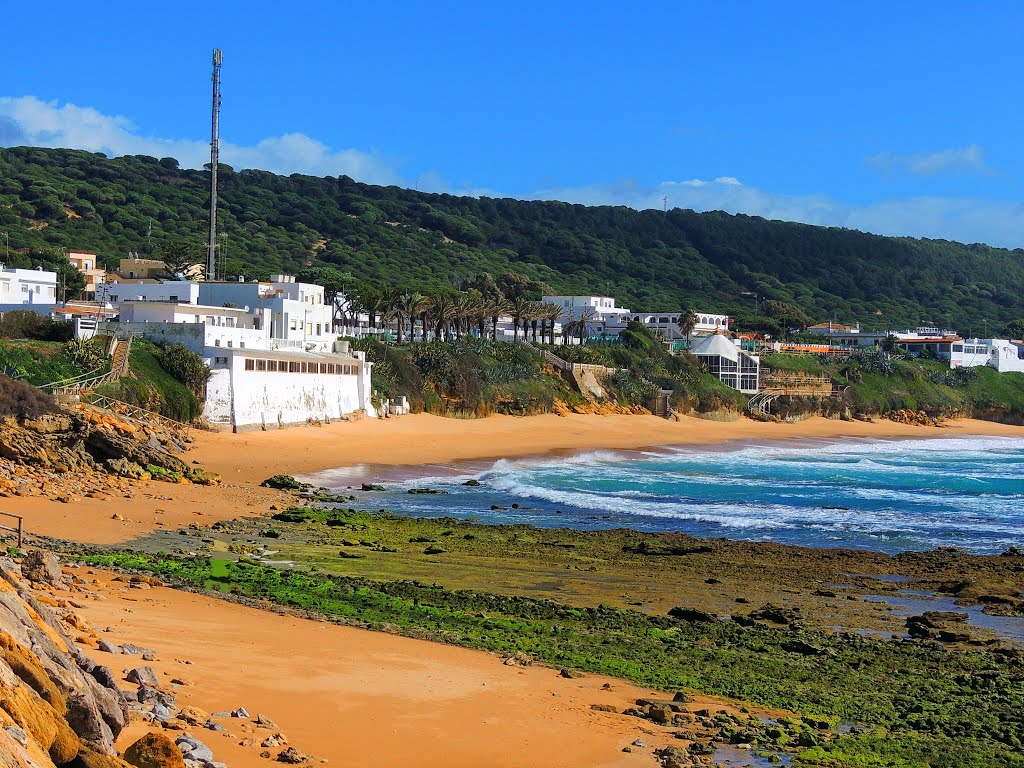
x=406 y=239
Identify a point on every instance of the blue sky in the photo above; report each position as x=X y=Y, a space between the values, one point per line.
x=898 y=118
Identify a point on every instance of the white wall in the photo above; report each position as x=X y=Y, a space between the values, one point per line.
x=182 y=291
x=269 y=399
x=27 y=286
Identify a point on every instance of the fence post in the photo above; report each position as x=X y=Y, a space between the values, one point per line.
x=21 y=533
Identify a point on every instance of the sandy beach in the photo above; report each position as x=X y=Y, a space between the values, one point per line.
x=244 y=460
x=422 y=438
x=354 y=698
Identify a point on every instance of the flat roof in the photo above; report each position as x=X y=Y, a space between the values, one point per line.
x=291 y=354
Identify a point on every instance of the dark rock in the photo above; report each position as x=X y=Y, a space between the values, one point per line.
x=143 y=676
x=371 y=487
x=107 y=647
x=604 y=708
x=41 y=567
x=570 y=674
x=283 y=483
x=291 y=756
x=154 y=750
x=693 y=615
x=472 y=483
x=428 y=491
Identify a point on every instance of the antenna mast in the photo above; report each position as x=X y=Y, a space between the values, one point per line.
x=211 y=250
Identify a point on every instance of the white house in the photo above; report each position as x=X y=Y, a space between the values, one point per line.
x=1001 y=354
x=259 y=380
x=269 y=389
x=725 y=359
x=177 y=291
x=33 y=289
x=666 y=324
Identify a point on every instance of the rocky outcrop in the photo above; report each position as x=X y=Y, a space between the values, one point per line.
x=57 y=708
x=87 y=450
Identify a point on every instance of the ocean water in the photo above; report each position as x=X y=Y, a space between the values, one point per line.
x=884 y=495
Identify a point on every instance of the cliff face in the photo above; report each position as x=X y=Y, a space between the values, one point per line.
x=57 y=708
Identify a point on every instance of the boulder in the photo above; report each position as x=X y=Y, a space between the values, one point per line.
x=41 y=567
x=292 y=756
x=154 y=750
x=143 y=676
x=693 y=615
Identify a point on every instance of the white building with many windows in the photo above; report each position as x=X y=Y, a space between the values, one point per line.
x=1001 y=354
x=725 y=359
x=34 y=289
x=264 y=372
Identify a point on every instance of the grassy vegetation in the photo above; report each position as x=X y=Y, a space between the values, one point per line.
x=37 y=362
x=150 y=386
x=470 y=377
x=875 y=384
x=922 y=700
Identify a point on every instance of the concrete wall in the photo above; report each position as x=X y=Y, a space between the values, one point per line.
x=269 y=400
x=183 y=291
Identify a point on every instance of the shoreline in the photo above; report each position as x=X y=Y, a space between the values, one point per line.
x=425 y=439
x=407 y=444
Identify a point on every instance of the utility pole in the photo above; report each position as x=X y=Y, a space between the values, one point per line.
x=7 y=247
x=211 y=252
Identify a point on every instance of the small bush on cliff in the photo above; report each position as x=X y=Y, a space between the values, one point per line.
x=22 y=401
x=24 y=324
x=186 y=366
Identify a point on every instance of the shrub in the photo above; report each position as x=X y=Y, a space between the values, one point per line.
x=186 y=366
x=25 y=324
x=22 y=401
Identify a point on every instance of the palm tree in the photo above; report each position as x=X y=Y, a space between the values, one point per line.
x=499 y=307
x=687 y=322
x=397 y=311
x=552 y=313
x=442 y=310
x=520 y=310
x=587 y=315
x=414 y=303
x=374 y=303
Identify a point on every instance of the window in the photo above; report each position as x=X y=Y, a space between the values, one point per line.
x=174 y=298
x=293 y=325
x=261 y=365
x=220 y=361
x=318 y=329
x=250 y=365
x=958 y=347
x=216 y=342
x=231 y=343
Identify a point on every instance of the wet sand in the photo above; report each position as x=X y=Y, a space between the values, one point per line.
x=354 y=697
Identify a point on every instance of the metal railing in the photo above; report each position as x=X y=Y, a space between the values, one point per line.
x=19 y=529
x=565 y=365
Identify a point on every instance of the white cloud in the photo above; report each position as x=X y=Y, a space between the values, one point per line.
x=969 y=159
x=30 y=121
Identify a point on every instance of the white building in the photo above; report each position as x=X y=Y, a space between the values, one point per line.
x=602 y=308
x=728 y=362
x=33 y=289
x=259 y=380
x=269 y=389
x=1001 y=354
x=297 y=310
x=177 y=291
x=666 y=324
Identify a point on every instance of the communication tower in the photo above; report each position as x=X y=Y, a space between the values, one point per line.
x=211 y=250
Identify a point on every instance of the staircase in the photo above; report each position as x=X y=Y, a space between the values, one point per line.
x=761 y=403
x=119 y=350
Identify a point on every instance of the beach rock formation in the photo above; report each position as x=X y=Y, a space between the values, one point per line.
x=83 y=449
x=56 y=707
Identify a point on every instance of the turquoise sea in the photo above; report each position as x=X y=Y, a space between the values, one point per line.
x=886 y=495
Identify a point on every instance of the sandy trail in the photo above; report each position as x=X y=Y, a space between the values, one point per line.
x=357 y=698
